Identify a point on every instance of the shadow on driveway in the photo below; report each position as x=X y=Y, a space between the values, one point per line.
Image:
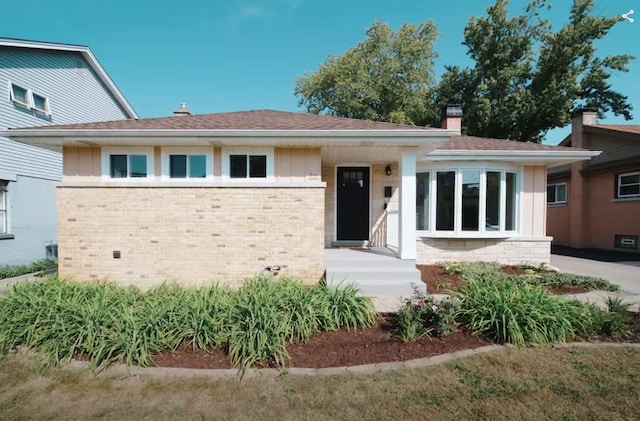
x=595 y=254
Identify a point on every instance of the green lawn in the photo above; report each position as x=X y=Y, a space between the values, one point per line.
x=528 y=383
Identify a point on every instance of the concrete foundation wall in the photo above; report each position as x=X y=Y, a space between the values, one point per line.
x=190 y=235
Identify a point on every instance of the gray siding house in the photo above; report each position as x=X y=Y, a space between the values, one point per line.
x=43 y=83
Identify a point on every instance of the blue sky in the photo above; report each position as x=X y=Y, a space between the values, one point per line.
x=245 y=54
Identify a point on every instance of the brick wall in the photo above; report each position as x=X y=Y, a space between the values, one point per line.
x=190 y=235
x=505 y=251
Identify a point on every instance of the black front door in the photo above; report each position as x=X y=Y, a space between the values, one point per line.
x=353 y=203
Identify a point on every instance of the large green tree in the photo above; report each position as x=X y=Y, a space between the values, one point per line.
x=528 y=78
x=387 y=77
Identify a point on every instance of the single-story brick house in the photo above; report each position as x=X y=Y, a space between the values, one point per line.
x=196 y=198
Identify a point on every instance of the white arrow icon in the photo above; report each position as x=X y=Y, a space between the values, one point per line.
x=626 y=16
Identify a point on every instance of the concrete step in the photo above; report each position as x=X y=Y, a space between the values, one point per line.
x=389 y=288
x=374 y=274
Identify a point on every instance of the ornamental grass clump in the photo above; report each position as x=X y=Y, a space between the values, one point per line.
x=106 y=323
x=498 y=306
x=267 y=314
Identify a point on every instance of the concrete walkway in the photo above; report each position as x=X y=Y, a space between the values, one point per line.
x=6 y=283
x=624 y=273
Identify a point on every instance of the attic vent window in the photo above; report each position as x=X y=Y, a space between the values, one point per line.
x=25 y=98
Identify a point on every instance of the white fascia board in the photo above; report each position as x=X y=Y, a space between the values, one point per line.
x=87 y=55
x=542 y=157
x=317 y=138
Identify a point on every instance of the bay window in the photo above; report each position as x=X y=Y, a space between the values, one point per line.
x=467 y=201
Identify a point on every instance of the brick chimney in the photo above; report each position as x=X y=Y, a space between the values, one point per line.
x=183 y=110
x=578 y=185
x=579 y=119
x=452 y=117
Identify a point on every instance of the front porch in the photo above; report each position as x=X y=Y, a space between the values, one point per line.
x=376 y=271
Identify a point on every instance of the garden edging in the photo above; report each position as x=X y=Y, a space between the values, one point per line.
x=329 y=371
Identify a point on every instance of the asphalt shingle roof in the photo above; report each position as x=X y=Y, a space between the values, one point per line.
x=244 y=120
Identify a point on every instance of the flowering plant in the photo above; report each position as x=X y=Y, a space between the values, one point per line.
x=422 y=315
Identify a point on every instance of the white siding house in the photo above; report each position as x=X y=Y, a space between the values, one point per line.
x=43 y=84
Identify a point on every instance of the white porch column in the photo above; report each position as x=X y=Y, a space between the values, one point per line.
x=408 y=204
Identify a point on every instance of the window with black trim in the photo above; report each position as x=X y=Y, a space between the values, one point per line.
x=628 y=185
x=556 y=193
x=247 y=166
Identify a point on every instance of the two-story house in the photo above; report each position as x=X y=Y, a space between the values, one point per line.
x=43 y=83
x=596 y=203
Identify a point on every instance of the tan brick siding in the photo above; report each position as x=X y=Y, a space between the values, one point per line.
x=509 y=252
x=190 y=235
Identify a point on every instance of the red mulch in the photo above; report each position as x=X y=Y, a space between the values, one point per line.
x=376 y=344
x=440 y=282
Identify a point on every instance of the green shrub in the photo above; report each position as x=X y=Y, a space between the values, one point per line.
x=421 y=315
x=515 y=312
x=559 y=280
x=39 y=266
x=106 y=323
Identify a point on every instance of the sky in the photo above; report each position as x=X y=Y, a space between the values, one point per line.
x=234 y=55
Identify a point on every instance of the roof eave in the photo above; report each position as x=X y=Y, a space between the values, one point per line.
x=88 y=56
x=549 y=158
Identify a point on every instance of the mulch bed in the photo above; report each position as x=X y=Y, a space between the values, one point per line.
x=352 y=347
x=440 y=282
x=372 y=345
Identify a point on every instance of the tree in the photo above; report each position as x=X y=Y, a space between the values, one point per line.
x=387 y=77
x=528 y=79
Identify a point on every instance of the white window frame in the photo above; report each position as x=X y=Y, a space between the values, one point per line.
x=619 y=177
x=166 y=152
x=4 y=207
x=31 y=104
x=482 y=231
x=238 y=150
x=566 y=194
x=105 y=162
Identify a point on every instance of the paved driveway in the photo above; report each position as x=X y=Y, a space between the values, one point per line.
x=616 y=268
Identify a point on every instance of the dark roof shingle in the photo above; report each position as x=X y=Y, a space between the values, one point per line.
x=243 y=120
x=473 y=143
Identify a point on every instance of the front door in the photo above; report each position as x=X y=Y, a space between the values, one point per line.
x=352 y=203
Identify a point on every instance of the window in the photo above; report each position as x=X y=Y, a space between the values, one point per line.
x=556 y=193
x=467 y=200
x=4 y=217
x=127 y=163
x=187 y=166
x=182 y=163
x=242 y=164
x=254 y=165
x=28 y=99
x=628 y=185
x=40 y=104
x=19 y=95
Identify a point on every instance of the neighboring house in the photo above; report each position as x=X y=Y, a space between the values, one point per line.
x=596 y=203
x=196 y=198
x=43 y=84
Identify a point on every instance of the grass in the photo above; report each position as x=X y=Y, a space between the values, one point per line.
x=39 y=266
x=525 y=383
x=106 y=323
